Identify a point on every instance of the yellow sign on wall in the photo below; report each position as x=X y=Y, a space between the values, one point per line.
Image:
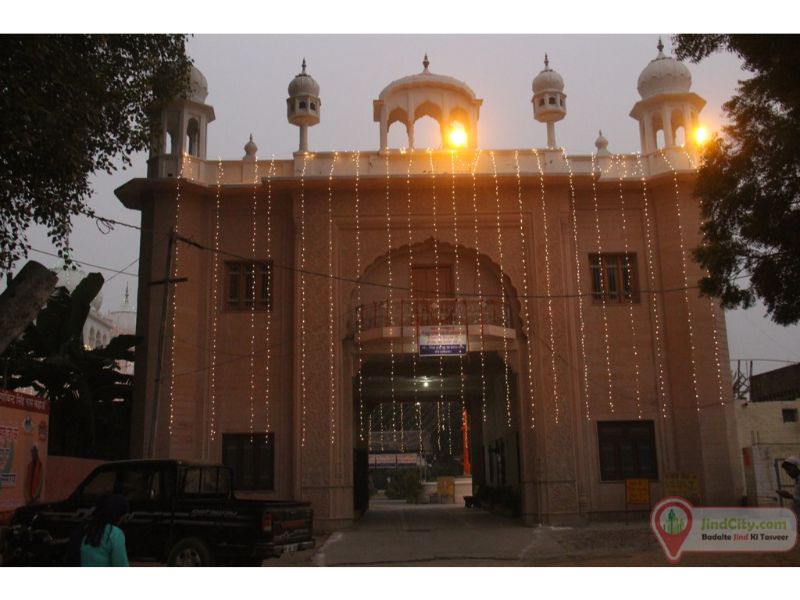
x=683 y=485
x=637 y=491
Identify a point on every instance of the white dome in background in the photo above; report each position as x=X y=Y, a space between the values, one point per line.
x=547 y=80
x=198 y=86
x=664 y=74
x=303 y=84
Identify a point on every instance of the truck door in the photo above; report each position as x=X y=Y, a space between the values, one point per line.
x=147 y=524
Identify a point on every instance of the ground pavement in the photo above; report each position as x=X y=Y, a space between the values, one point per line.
x=393 y=533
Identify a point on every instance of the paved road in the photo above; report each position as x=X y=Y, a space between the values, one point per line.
x=394 y=533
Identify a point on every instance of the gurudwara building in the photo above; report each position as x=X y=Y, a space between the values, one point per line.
x=548 y=300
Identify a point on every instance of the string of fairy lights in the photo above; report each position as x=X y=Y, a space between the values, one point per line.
x=684 y=269
x=390 y=305
x=651 y=274
x=479 y=283
x=581 y=323
x=548 y=288
x=251 y=284
x=461 y=377
x=525 y=300
x=714 y=315
x=414 y=334
x=331 y=319
x=603 y=294
x=359 y=307
x=212 y=391
x=501 y=273
x=303 y=302
x=439 y=418
x=268 y=316
x=174 y=275
x=629 y=273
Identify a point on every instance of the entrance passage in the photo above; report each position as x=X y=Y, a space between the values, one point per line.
x=435 y=431
x=394 y=532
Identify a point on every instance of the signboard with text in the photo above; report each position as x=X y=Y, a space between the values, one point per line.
x=442 y=340
x=24 y=430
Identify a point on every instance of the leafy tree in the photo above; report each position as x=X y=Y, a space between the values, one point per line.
x=89 y=398
x=69 y=106
x=749 y=182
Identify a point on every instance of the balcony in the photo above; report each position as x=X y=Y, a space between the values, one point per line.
x=405 y=314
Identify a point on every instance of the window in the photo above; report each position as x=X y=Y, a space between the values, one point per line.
x=206 y=481
x=246 y=283
x=551 y=100
x=302 y=104
x=139 y=485
x=614 y=277
x=98 y=486
x=252 y=459
x=627 y=450
x=313 y=106
x=789 y=415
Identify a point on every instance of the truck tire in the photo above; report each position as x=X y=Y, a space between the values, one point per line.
x=190 y=552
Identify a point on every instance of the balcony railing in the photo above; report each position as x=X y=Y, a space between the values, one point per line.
x=405 y=312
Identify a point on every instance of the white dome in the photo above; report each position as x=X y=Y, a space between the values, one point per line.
x=664 y=74
x=427 y=79
x=303 y=84
x=547 y=80
x=198 y=86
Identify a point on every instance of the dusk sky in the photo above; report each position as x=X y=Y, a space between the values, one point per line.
x=248 y=75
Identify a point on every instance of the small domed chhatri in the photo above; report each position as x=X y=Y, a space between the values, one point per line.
x=549 y=100
x=664 y=74
x=250 y=149
x=447 y=100
x=668 y=105
x=303 y=104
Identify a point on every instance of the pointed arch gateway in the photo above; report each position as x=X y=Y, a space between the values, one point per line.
x=433 y=389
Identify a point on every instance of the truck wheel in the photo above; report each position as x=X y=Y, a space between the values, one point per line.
x=190 y=552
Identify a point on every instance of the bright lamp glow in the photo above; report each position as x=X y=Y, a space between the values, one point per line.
x=457 y=136
x=701 y=135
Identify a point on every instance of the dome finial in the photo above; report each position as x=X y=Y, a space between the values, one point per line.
x=304 y=64
x=546 y=62
x=126 y=293
x=660 y=45
x=425 y=62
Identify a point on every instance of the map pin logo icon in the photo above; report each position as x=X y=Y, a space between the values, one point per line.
x=671 y=521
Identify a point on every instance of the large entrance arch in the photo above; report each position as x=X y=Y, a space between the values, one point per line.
x=408 y=405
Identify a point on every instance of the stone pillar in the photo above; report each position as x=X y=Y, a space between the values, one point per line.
x=666 y=121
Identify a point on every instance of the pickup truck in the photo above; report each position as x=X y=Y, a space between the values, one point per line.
x=181 y=514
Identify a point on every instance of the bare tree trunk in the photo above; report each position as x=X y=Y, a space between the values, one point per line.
x=21 y=302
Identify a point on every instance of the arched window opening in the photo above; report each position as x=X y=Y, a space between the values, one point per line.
x=313 y=106
x=302 y=104
x=397 y=136
x=679 y=136
x=427 y=133
x=660 y=142
x=193 y=137
x=171 y=143
x=551 y=100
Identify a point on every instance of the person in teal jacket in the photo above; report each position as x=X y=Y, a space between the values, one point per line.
x=103 y=544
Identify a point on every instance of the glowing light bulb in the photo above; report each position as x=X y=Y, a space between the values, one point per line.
x=457 y=135
x=701 y=135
